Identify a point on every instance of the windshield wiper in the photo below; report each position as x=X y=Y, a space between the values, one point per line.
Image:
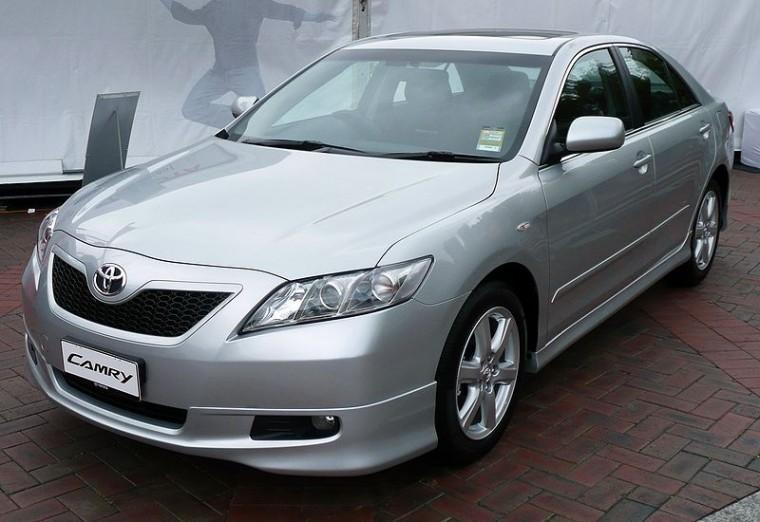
x=440 y=155
x=313 y=145
x=310 y=145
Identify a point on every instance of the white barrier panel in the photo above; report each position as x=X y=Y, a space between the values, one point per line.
x=751 y=142
x=718 y=41
x=188 y=58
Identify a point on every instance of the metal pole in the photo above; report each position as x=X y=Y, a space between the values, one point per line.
x=361 y=19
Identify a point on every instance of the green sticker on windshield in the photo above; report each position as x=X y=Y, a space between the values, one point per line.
x=491 y=139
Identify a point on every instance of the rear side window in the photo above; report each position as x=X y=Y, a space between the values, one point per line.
x=594 y=87
x=685 y=95
x=659 y=89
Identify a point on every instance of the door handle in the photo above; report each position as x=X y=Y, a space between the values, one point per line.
x=705 y=129
x=642 y=162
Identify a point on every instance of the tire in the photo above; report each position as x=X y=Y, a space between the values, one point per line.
x=705 y=234
x=464 y=380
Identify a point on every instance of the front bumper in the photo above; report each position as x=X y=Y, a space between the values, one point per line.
x=372 y=437
x=374 y=372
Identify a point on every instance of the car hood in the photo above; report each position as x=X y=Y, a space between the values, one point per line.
x=291 y=213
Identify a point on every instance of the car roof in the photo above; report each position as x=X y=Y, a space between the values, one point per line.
x=522 y=41
x=492 y=32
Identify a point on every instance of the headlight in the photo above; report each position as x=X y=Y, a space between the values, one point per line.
x=45 y=233
x=340 y=295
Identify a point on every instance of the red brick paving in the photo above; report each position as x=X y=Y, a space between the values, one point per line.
x=655 y=415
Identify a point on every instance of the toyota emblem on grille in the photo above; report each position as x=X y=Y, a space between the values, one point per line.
x=110 y=279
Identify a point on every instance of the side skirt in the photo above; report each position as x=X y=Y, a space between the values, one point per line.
x=602 y=312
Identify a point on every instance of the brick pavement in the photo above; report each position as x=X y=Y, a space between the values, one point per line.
x=655 y=415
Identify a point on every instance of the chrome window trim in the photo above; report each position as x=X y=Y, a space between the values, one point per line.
x=664 y=119
x=579 y=278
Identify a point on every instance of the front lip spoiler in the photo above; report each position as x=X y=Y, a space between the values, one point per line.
x=373 y=437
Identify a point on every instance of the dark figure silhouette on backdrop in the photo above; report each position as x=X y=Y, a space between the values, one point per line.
x=234 y=27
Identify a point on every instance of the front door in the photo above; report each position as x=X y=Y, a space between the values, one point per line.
x=599 y=203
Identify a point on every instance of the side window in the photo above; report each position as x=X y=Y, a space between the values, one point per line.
x=594 y=87
x=685 y=95
x=660 y=92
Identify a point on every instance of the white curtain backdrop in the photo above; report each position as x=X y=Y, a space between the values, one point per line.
x=57 y=55
x=717 y=40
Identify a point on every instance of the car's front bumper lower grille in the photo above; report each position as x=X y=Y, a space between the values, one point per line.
x=164 y=415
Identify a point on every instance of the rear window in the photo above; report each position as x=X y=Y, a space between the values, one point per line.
x=659 y=89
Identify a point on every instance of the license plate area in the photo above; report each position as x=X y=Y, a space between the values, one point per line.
x=105 y=370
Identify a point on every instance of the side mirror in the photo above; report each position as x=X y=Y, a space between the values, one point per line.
x=242 y=104
x=595 y=134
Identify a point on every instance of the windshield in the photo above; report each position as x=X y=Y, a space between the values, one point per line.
x=403 y=103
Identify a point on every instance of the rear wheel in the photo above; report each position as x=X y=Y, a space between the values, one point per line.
x=479 y=373
x=705 y=234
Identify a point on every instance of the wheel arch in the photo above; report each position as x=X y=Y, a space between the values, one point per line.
x=721 y=176
x=521 y=280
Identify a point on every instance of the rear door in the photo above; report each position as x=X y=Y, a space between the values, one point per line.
x=682 y=139
x=599 y=204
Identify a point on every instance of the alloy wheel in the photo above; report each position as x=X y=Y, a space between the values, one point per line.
x=488 y=371
x=706 y=231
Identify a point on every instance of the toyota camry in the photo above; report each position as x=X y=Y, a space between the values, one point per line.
x=363 y=265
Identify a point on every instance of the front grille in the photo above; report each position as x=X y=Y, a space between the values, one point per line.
x=162 y=313
x=165 y=415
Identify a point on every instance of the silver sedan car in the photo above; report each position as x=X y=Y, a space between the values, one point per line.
x=361 y=267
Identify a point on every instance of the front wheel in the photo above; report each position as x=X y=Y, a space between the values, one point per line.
x=479 y=373
x=705 y=234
